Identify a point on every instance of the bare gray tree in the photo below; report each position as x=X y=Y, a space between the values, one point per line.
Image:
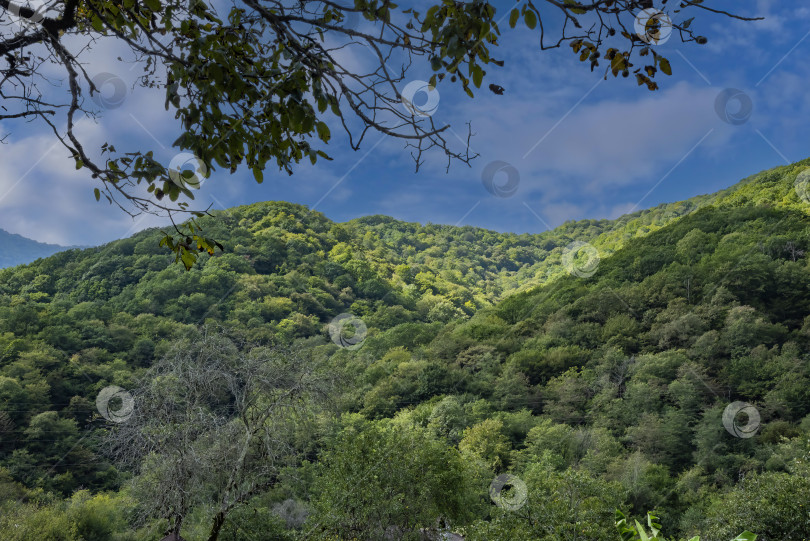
x=214 y=423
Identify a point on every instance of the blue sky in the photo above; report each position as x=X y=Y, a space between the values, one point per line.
x=582 y=147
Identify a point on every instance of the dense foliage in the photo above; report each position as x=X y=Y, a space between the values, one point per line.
x=496 y=395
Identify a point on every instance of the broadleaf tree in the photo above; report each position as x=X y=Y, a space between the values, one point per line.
x=258 y=83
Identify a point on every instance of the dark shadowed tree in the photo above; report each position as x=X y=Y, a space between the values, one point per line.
x=378 y=480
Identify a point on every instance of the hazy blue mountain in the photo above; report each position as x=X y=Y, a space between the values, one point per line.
x=16 y=249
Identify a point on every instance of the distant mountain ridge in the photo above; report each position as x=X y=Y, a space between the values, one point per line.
x=18 y=250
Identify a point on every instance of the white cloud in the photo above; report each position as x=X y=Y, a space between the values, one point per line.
x=43 y=198
x=619 y=139
x=602 y=142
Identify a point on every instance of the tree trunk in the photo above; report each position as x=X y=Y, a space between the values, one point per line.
x=174 y=533
x=219 y=521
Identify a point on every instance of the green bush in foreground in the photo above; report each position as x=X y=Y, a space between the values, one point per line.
x=636 y=532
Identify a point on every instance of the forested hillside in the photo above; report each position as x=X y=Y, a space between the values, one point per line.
x=496 y=385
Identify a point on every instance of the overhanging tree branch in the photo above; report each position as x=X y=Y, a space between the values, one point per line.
x=265 y=81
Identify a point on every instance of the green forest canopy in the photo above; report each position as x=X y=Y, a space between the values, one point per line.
x=483 y=357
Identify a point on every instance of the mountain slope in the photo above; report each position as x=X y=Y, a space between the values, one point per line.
x=612 y=377
x=636 y=372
